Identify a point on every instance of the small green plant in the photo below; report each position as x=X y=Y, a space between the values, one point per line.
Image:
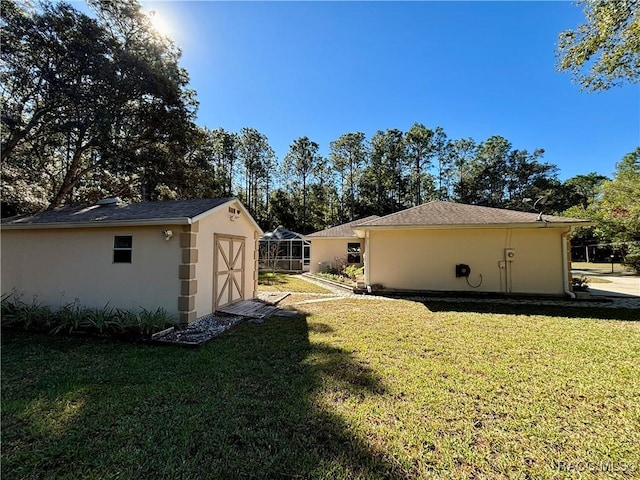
x=30 y=316
x=69 y=318
x=352 y=271
x=150 y=321
x=7 y=310
x=329 y=276
x=103 y=320
x=580 y=284
x=73 y=318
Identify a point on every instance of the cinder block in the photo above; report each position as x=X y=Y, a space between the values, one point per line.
x=189 y=255
x=188 y=240
x=186 y=303
x=187 y=272
x=187 y=317
x=188 y=287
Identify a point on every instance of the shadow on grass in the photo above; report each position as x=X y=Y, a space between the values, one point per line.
x=521 y=309
x=272 y=279
x=247 y=405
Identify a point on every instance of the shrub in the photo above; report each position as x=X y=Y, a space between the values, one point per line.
x=329 y=276
x=69 y=318
x=19 y=314
x=72 y=317
x=352 y=271
x=150 y=321
x=580 y=284
x=632 y=257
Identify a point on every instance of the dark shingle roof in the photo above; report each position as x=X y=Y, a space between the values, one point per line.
x=439 y=213
x=121 y=212
x=344 y=230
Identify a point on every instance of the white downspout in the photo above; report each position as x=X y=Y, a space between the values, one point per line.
x=565 y=265
x=367 y=261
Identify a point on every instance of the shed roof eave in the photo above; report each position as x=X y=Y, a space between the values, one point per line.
x=99 y=224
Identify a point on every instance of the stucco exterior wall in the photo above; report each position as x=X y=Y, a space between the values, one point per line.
x=426 y=259
x=326 y=250
x=220 y=223
x=63 y=265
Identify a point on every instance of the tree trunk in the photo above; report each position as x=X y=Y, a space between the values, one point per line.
x=16 y=136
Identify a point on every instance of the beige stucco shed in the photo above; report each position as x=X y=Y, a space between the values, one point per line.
x=452 y=247
x=189 y=257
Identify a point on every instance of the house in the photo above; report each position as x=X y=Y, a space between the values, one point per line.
x=284 y=250
x=189 y=257
x=336 y=246
x=452 y=247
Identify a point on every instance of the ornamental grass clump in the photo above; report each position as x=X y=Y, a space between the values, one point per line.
x=73 y=318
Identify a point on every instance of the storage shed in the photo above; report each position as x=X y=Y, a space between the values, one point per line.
x=189 y=257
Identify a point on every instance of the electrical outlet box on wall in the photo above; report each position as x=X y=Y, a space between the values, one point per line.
x=510 y=254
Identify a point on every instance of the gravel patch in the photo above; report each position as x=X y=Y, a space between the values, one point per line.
x=201 y=331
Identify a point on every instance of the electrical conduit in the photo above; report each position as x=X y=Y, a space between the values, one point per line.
x=565 y=265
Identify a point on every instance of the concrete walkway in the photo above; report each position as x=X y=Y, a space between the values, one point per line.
x=617 y=285
x=601 y=298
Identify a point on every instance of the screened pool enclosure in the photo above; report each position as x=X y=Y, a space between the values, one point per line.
x=285 y=251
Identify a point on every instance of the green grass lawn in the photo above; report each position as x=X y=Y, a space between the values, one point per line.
x=282 y=282
x=598 y=279
x=601 y=268
x=349 y=389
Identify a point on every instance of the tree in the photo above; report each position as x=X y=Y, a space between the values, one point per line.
x=422 y=144
x=257 y=158
x=281 y=210
x=91 y=104
x=584 y=189
x=302 y=164
x=615 y=210
x=618 y=214
x=348 y=154
x=608 y=44
x=444 y=163
x=224 y=156
x=486 y=180
x=461 y=152
x=384 y=183
x=527 y=178
x=499 y=176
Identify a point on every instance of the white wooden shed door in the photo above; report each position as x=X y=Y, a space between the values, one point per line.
x=228 y=267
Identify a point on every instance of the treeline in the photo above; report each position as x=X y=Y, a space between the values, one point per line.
x=98 y=106
x=383 y=174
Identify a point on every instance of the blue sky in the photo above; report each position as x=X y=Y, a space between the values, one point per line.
x=476 y=69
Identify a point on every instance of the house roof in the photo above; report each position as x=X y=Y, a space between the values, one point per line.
x=141 y=213
x=342 y=231
x=440 y=214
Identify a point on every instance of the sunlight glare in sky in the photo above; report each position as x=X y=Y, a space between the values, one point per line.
x=161 y=26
